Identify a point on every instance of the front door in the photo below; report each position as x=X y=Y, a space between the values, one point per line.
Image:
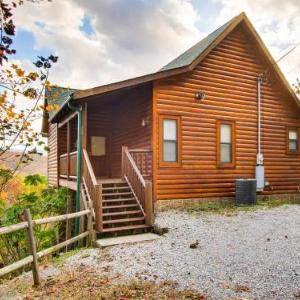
x=98 y=155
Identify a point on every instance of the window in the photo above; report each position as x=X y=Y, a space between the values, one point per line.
x=170 y=141
x=225 y=144
x=292 y=141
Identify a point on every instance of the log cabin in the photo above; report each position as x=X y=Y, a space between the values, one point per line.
x=220 y=111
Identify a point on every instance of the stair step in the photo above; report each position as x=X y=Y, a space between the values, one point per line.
x=119 y=206
x=118 y=194
x=123 y=220
x=129 y=212
x=114 y=229
x=108 y=185
x=110 y=181
x=116 y=188
x=118 y=200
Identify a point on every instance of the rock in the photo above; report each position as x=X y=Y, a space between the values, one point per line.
x=194 y=245
x=160 y=230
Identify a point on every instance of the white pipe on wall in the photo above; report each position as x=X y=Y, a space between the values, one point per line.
x=259 y=157
x=260 y=169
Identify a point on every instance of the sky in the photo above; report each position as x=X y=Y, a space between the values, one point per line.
x=99 y=42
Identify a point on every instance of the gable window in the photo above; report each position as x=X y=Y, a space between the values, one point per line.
x=170 y=141
x=292 y=140
x=225 y=144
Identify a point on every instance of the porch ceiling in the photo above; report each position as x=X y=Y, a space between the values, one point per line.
x=105 y=98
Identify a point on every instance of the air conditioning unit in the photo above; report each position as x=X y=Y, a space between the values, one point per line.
x=245 y=191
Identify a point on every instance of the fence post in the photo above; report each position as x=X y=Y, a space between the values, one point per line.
x=32 y=248
x=90 y=228
x=69 y=222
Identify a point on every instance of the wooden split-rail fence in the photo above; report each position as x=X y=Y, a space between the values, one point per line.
x=34 y=255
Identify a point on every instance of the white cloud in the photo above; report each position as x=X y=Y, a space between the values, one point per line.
x=130 y=37
x=278 y=23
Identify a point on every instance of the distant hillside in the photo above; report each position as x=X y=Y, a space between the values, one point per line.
x=37 y=166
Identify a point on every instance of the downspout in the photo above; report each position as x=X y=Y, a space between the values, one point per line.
x=259 y=171
x=79 y=153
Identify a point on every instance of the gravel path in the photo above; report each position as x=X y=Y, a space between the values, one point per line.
x=252 y=255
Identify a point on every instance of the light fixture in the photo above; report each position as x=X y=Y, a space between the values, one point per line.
x=200 y=95
x=144 y=123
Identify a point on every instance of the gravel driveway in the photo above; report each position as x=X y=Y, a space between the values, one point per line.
x=252 y=255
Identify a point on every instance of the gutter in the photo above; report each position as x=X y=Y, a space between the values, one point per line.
x=79 y=159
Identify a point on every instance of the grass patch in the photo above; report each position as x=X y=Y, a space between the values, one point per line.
x=83 y=283
x=229 y=207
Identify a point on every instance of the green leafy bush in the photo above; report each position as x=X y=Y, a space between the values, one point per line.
x=42 y=202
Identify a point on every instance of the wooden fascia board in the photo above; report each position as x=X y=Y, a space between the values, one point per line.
x=127 y=83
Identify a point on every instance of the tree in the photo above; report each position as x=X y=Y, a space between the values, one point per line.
x=16 y=86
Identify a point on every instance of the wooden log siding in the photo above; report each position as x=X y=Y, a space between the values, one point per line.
x=120 y=121
x=99 y=123
x=228 y=76
x=52 y=162
x=127 y=118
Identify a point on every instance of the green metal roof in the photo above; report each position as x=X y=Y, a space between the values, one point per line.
x=186 y=58
x=57 y=95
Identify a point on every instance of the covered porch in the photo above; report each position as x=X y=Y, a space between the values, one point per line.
x=115 y=157
x=109 y=122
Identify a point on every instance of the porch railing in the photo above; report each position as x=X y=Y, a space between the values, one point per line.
x=142 y=188
x=93 y=189
x=68 y=165
x=143 y=160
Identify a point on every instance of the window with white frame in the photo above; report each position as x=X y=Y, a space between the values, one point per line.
x=225 y=144
x=292 y=140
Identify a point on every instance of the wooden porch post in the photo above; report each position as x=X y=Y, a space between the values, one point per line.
x=124 y=148
x=68 y=148
x=70 y=200
x=149 y=204
x=98 y=207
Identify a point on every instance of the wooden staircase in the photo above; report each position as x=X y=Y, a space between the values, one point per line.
x=121 y=206
x=121 y=211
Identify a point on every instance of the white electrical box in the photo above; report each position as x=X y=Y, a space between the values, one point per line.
x=260 y=177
